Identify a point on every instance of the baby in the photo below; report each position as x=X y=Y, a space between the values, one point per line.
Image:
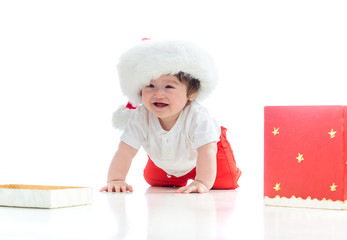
x=183 y=142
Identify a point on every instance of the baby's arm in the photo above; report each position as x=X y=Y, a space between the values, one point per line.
x=206 y=169
x=119 y=169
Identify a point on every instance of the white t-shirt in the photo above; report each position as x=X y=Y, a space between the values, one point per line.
x=173 y=151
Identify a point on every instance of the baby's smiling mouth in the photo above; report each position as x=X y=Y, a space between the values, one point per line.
x=160 y=104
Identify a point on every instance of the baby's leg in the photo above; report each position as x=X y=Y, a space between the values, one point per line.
x=227 y=172
x=157 y=177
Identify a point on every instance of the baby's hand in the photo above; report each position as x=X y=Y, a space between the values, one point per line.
x=117 y=186
x=194 y=187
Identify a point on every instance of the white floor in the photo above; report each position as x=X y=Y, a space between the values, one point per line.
x=158 y=213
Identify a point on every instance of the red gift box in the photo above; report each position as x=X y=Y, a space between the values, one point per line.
x=305 y=156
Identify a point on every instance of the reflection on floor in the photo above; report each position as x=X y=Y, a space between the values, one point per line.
x=159 y=213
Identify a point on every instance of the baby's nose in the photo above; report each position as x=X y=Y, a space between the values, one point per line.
x=159 y=94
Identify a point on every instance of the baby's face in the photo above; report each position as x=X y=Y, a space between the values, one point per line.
x=165 y=97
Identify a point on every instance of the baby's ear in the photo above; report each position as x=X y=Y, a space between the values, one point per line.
x=192 y=96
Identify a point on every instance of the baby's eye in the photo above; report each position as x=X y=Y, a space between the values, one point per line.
x=150 y=86
x=169 y=86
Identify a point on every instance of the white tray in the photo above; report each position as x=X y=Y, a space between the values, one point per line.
x=38 y=196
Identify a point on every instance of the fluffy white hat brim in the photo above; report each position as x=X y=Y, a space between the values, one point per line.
x=152 y=59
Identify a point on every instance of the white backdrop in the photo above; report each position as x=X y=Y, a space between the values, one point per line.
x=58 y=82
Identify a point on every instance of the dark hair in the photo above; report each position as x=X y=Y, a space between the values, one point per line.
x=193 y=84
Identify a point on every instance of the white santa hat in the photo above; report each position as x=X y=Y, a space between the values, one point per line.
x=152 y=59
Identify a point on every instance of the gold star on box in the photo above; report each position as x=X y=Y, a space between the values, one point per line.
x=300 y=157
x=277 y=187
x=333 y=187
x=276 y=131
x=332 y=133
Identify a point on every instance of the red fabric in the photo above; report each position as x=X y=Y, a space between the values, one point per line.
x=227 y=171
x=130 y=106
x=306 y=131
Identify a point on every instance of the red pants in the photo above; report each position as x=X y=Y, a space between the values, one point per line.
x=227 y=171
